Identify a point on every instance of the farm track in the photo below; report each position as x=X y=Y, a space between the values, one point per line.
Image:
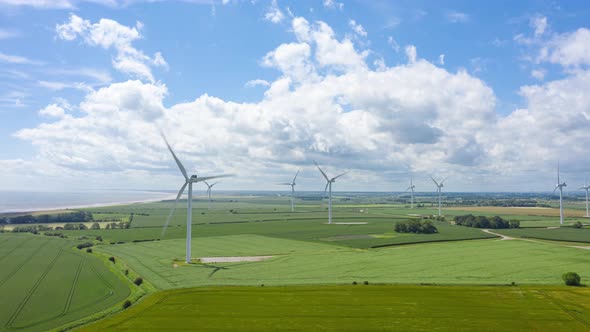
x=13 y=249
x=563 y=308
x=32 y=290
x=23 y=263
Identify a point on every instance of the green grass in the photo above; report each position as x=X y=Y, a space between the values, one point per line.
x=358 y=308
x=296 y=262
x=558 y=234
x=44 y=283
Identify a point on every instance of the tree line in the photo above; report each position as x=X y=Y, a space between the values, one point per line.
x=495 y=222
x=416 y=226
x=77 y=216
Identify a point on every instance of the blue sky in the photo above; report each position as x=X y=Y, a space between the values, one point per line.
x=492 y=95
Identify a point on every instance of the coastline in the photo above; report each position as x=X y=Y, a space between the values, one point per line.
x=85 y=206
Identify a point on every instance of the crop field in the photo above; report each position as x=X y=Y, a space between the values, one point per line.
x=358 y=308
x=558 y=234
x=44 y=283
x=297 y=262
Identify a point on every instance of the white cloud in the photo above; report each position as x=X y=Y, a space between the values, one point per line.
x=457 y=17
x=40 y=4
x=441 y=59
x=110 y=34
x=333 y=4
x=257 y=82
x=53 y=110
x=16 y=59
x=539 y=74
x=570 y=49
x=411 y=53
x=393 y=44
x=9 y=34
x=539 y=23
x=414 y=117
x=357 y=28
x=274 y=13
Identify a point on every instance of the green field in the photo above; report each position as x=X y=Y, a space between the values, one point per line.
x=358 y=308
x=44 y=283
x=296 y=262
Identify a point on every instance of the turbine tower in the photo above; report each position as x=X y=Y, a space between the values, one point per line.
x=188 y=181
x=439 y=187
x=411 y=188
x=292 y=184
x=209 y=186
x=329 y=187
x=560 y=186
x=586 y=187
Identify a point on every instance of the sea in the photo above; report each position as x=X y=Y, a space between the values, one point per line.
x=23 y=201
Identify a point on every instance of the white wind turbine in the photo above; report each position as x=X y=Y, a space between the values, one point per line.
x=292 y=184
x=329 y=187
x=209 y=186
x=586 y=187
x=439 y=187
x=188 y=181
x=560 y=186
x=411 y=188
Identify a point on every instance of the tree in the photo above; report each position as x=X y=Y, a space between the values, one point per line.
x=95 y=226
x=138 y=281
x=571 y=278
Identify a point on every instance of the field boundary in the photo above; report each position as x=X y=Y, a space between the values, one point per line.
x=432 y=241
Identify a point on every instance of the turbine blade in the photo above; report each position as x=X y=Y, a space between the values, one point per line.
x=408 y=188
x=172 y=210
x=433 y=180
x=340 y=175
x=324 y=174
x=557 y=186
x=443 y=181
x=175 y=158
x=326 y=189
x=207 y=184
x=296 y=176
x=204 y=178
x=285 y=184
x=214 y=184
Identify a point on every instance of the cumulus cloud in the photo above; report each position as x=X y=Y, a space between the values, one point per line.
x=256 y=82
x=414 y=117
x=457 y=17
x=571 y=49
x=539 y=74
x=333 y=4
x=110 y=34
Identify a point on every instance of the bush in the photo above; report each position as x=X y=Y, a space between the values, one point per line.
x=112 y=259
x=99 y=238
x=126 y=272
x=89 y=250
x=495 y=222
x=138 y=281
x=126 y=304
x=365 y=283
x=84 y=245
x=571 y=279
x=416 y=226
x=354 y=282
x=577 y=224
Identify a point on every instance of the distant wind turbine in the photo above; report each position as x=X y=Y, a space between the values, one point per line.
x=439 y=187
x=209 y=186
x=586 y=187
x=188 y=181
x=411 y=188
x=292 y=184
x=329 y=187
x=560 y=186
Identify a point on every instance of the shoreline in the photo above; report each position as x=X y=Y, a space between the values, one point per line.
x=85 y=206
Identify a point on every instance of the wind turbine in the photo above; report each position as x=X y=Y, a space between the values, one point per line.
x=329 y=186
x=411 y=188
x=188 y=181
x=292 y=184
x=439 y=187
x=586 y=187
x=560 y=186
x=209 y=186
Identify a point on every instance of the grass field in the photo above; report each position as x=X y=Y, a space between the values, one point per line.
x=44 y=283
x=358 y=308
x=558 y=234
x=296 y=262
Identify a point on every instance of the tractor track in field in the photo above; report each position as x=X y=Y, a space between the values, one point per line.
x=13 y=249
x=32 y=290
x=564 y=309
x=68 y=301
x=23 y=263
x=542 y=241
